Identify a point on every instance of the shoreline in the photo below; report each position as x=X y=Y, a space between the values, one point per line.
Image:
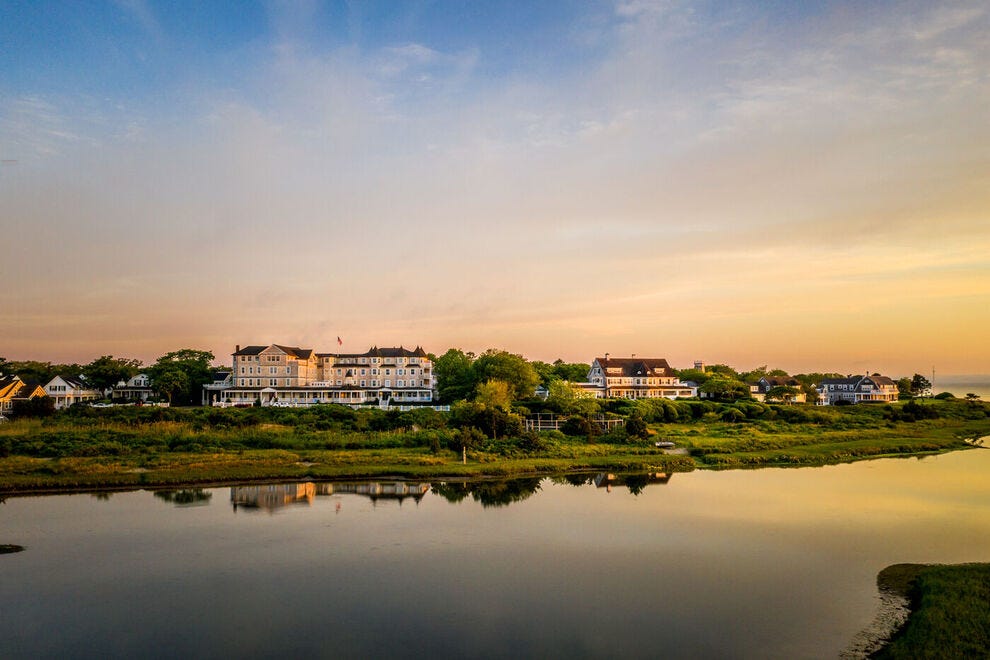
x=139 y=479
x=946 y=611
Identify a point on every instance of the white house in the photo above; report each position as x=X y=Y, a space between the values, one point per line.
x=635 y=378
x=67 y=390
x=137 y=388
x=857 y=389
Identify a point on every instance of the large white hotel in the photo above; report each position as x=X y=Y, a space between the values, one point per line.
x=295 y=376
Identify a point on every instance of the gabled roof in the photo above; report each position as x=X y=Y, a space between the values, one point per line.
x=295 y=351
x=637 y=366
x=75 y=382
x=291 y=351
x=781 y=381
x=374 y=351
x=249 y=350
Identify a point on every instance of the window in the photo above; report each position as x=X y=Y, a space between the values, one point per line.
x=400 y=372
x=287 y=369
x=363 y=383
x=388 y=383
x=242 y=382
x=273 y=382
x=400 y=383
x=388 y=372
x=364 y=372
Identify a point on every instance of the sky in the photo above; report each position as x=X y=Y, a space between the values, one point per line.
x=799 y=185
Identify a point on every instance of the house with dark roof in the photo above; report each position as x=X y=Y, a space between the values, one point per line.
x=635 y=378
x=137 y=388
x=762 y=387
x=12 y=389
x=68 y=390
x=857 y=389
x=288 y=375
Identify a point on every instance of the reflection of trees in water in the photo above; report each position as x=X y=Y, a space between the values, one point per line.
x=573 y=479
x=101 y=496
x=185 y=496
x=488 y=493
x=636 y=483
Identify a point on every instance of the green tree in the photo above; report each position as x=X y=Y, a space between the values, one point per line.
x=566 y=399
x=920 y=385
x=33 y=371
x=725 y=389
x=193 y=364
x=574 y=372
x=494 y=394
x=455 y=377
x=782 y=393
x=494 y=364
x=172 y=383
x=106 y=371
x=754 y=375
x=904 y=388
x=496 y=397
x=696 y=375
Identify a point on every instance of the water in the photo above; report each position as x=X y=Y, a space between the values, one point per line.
x=960 y=386
x=743 y=564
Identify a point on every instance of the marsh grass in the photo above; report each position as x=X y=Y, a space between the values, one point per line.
x=115 y=446
x=949 y=613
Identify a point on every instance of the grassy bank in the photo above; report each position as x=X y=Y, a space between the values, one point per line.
x=133 y=447
x=949 y=615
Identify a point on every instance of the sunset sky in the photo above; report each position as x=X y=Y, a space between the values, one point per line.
x=800 y=185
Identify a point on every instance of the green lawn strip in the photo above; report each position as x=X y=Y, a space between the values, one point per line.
x=749 y=446
x=949 y=617
x=22 y=473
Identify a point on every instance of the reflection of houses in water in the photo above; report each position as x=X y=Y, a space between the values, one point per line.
x=393 y=490
x=272 y=496
x=635 y=482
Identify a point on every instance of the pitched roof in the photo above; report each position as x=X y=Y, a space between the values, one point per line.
x=295 y=351
x=637 y=366
x=249 y=350
x=374 y=351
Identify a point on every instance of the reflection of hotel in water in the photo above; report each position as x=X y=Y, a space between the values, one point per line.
x=393 y=490
x=276 y=496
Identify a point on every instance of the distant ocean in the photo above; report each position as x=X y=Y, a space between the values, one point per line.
x=960 y=386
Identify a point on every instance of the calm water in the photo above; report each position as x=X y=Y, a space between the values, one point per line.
x=766 y=563
x=961 y=385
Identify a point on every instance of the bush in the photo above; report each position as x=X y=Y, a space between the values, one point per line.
x=732 y=415
x=636 y=426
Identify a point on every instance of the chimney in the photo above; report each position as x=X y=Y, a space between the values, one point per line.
x=237 y=348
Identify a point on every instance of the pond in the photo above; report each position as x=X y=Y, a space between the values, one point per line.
x=742 y=564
